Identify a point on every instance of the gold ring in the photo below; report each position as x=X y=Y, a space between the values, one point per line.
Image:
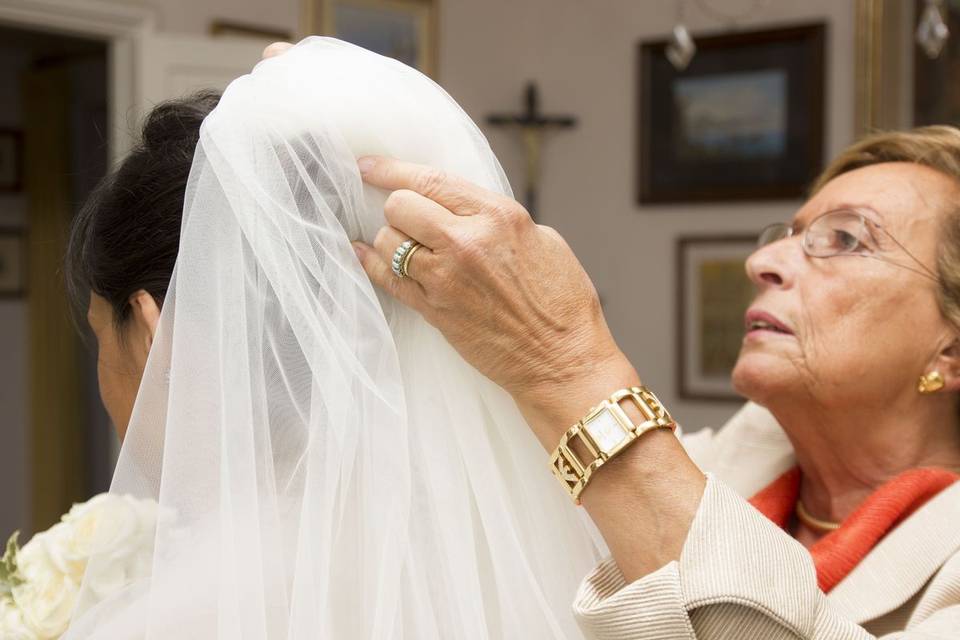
x=406 y=259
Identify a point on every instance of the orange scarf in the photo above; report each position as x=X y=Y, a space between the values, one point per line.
x=837 y=553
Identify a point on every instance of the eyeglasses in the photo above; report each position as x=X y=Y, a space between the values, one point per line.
x=842 y=232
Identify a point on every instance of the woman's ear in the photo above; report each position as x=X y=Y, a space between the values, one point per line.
x=144 y=317
x=947 y=363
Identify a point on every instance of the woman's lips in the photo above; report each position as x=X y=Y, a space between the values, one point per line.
x=761 y=321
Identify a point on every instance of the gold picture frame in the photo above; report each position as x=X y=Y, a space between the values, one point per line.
x=229 y=29
x=401 y=29
x=713 y=294
x=883 y=66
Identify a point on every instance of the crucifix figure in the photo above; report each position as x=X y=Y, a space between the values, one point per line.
x=532 y=125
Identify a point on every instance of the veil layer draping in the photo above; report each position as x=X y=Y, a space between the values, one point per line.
x=327 y=466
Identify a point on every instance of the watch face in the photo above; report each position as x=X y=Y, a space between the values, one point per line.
x=606 y=431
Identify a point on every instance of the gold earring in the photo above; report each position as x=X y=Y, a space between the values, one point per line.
x=930 y=383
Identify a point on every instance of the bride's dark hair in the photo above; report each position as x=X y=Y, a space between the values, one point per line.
x=126 y=235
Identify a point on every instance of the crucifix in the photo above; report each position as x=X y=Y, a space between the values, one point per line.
x=532 y=124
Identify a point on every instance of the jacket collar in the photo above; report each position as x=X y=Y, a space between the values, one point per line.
x=751 y=451
x=903 y=561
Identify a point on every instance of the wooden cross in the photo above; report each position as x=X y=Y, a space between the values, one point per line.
x=532 y=125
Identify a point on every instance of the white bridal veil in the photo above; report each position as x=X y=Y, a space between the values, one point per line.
x=327 y=466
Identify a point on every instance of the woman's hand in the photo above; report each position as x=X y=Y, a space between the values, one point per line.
x=275 y=49
x=507 y=293
x=512 y=298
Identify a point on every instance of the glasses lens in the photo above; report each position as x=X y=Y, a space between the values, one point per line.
x=773 y=233
x=836 y=233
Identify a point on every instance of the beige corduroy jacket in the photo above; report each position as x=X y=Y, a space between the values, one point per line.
x=741 y=577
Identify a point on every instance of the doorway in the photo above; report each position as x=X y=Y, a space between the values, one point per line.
x=54 y=435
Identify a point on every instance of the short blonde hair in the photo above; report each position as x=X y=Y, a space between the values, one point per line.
x=937 y=147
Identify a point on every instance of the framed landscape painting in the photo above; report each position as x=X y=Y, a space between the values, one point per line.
x=714 y=294
x=744 y=121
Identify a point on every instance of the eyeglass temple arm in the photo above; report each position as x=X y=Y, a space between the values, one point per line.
x=926 y=270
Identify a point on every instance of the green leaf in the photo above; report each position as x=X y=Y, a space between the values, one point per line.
x=9 y=575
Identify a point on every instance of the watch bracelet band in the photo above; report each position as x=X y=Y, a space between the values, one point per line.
x=605 y=431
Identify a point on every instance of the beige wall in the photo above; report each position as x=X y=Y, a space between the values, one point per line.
x=195 y=16
x=582 y=54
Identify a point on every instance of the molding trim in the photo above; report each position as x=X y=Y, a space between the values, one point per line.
x=79 y=17
x=123 y=27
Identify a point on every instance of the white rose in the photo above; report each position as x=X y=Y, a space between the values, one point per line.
x=107 y=541
x=106 y=577
x=59 y=545
x=47 y=597
x=34 y=563
x=116 y=534
x=12 y=626
x=107 y=525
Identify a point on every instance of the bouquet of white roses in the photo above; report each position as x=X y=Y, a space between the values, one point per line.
x=39 y=583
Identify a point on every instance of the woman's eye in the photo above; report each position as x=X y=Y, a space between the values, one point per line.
x=846 y=241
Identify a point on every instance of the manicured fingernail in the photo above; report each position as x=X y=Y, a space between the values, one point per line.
x=366 y=164
x=360 y=250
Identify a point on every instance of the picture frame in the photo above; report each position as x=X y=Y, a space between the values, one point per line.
x=402 y=29
x=898 y=86
x=229 y=29
x=11 y=161
x=13 y=263
x=744 y=121
x=713 y=294
x=885 y=48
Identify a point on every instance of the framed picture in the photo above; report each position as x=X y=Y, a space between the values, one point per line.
x=229 y=29
x=744 y=121
x=714 y=293
x=401 y=29
x=13 y=263
x=11 y=160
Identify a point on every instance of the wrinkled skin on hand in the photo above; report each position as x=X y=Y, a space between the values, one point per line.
x=508 y=294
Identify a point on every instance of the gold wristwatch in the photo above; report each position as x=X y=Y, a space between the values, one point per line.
x=605 y=431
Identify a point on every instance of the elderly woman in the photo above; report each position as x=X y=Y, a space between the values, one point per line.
x=845 y=523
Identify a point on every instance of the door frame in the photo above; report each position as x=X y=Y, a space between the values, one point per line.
x=123 y=28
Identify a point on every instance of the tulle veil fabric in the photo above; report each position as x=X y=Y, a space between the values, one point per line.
x=327 y=466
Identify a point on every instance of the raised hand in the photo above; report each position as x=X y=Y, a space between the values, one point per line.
x=507 y=293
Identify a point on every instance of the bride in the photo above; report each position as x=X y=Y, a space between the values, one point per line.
x=326 y=465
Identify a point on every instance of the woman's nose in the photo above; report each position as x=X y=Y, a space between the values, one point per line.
x=769 y=266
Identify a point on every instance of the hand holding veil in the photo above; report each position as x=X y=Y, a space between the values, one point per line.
x=327 y=466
